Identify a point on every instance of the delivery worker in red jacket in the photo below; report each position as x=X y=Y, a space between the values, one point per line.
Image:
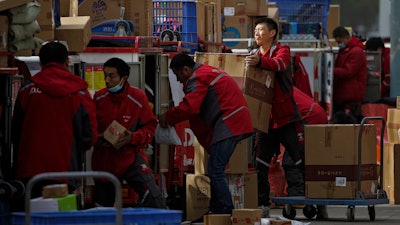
x=213 y=103
x=350 y=78
x=128 y=106
x=285 y=123
x=377 y=44
x=54 y=120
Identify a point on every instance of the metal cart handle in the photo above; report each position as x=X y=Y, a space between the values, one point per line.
x=363 y=121
x=94 y=174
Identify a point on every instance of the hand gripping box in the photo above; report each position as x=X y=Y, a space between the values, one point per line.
x=257 y=84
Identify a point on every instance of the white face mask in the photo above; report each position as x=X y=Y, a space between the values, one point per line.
x=117 y=87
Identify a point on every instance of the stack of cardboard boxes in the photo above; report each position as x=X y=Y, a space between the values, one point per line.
x=239 y=18
x=391 y=155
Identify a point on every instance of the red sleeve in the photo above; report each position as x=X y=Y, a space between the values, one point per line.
x=352 y=66
x=144 y=135
x=190 y=105
x=279 y=62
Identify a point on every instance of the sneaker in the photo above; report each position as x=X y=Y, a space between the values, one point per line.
x=322 y=212
x=264 y=211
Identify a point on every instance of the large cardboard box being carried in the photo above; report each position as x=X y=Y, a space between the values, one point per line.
x=331 y=161
x=257 y=84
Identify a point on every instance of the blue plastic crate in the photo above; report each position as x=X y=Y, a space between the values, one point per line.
x=137 y=216
x=177 y=16
x=304 y=11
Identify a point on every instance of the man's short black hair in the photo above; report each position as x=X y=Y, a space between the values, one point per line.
x=340 y=32
x=374 y=43
x=53 y=52
x=180 y=60
x=271 y=24
x=121 y=66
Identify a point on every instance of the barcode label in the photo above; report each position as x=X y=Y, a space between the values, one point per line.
x=341 y=181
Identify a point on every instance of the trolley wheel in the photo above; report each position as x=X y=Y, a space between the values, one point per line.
x=6 y=190
x=371 y=212
x=19 y=188
x=289 y=212
x=350 y=213
x=309 y=211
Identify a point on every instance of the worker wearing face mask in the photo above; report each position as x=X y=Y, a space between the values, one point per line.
x=125 y=159
x=350 y=78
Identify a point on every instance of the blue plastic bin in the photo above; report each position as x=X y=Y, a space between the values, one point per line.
x=177 y=16
x=304 y=11
x=137 y=216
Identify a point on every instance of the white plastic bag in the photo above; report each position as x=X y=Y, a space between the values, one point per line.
x=167 y=136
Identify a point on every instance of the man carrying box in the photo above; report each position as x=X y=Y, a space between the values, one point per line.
x=285 y=125
x=125 y=157
x=219 y=117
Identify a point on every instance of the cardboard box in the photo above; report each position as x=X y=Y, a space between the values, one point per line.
x=113 y=132
x=140 y=13
x=280 y=222
x=75 y=31
x=244 y=190
x=393 y=126
x=8 y=4
x=237 y=27
x=238 y=162
x=257 y=84
x=209 y=24
x=66 y=203
x=198 y=194
x=99 y=11
x=217 y=219
x=246 y=7
x=55 y=191
x=331 y=161
x=246 y=216
x=333 y=19
x=391 y=172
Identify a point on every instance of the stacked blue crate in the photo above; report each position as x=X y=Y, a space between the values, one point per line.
x=137 y=216
x=304 y=11
x=179 y=17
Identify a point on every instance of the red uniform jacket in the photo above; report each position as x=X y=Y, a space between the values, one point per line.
x=284 y=109
x=131 y=109
x=350 y=74
x=311 y=112
x=214 y=105
x=54 y=122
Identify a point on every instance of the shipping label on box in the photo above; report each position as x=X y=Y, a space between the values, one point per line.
x=113 y=132
x=257 y=84
x=243 y=189
x=331 y=160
